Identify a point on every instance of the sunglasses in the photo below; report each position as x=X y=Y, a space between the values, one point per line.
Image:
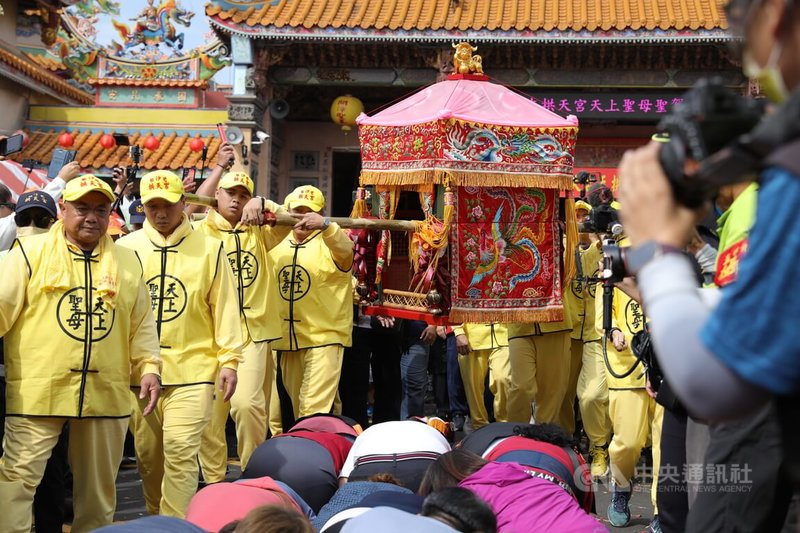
x=9 y=205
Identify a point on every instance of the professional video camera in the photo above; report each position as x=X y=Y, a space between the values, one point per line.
x=136 y=159
x=710 y=119
x=603 y=219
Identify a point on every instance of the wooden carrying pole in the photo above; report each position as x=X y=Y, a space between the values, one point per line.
x=285 y=219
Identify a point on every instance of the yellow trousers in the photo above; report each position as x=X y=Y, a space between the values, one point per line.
x=474 y=367
x=566 y=416
x=95 y=451
x=635 y=416
x=167 y=445
x=311 y=378
x=592 y=393
x=248 y=407
x=655 y=436
x=540 y=374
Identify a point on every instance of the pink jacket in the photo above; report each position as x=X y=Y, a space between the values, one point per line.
x=221 y=503
x=523 y=503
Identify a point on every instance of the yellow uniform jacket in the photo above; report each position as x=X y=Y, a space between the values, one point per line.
x=581 y=296
x=193 y=297
x=315 y=289
x=483 y=336
x=68 y=351
x=246 y=248
x=628 y=317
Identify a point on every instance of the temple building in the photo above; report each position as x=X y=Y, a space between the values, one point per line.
x=618 y=65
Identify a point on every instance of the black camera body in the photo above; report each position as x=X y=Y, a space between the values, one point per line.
x=710 y=118
x=614 y=261
x=136 y=159
x=602 y=219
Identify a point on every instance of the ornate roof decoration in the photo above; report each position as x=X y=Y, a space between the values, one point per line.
x=36 y=76
x=145 y=39
x=477 y=20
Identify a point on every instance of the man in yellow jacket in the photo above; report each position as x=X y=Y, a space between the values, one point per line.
x=482 y=349
x=193 y=297
x=312 y=272
x=246 y=247
x=539 y=360
x=635 y=416
x=587 y=377
x=78 y=330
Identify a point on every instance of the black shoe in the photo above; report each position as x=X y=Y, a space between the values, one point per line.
x=458 y=422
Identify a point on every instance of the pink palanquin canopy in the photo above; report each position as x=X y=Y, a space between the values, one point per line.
x=471 y=132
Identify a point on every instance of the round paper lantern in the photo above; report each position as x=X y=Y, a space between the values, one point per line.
x=345 y=110
x=196 y=144
x=107 y=141
x=152 y=142
x=66 y=140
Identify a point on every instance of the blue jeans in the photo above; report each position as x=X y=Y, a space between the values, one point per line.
x=414 y=375
x=455 y=385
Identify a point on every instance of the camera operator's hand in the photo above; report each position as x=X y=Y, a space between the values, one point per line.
x=649 y=211
x=70 y=171
x=618 y=340
x=226 y=155
x=120 y=177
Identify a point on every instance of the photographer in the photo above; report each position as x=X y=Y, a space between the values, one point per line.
x=8 y=225
x=729 y=362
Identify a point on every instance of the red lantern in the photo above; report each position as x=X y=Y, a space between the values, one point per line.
x=152 y=142
x=66 y=140
x=107 y=141
x=196 y=144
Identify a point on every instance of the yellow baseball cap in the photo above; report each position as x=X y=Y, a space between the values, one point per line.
x=580 y=204
x=306 y=195
x=161 y=184
x=236 y=179
x=85 y=184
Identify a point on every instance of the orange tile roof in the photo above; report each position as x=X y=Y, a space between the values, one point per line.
x=476 y=15
x=44 y=77
x=173 y=152
x=47 y=62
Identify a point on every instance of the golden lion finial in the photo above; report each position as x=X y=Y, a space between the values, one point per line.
x=463 y=60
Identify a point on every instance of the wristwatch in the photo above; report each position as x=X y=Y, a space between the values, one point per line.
x=637 y=257
x=326 y=223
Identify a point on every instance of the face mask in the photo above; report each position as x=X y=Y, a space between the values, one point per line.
x=769 y=77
